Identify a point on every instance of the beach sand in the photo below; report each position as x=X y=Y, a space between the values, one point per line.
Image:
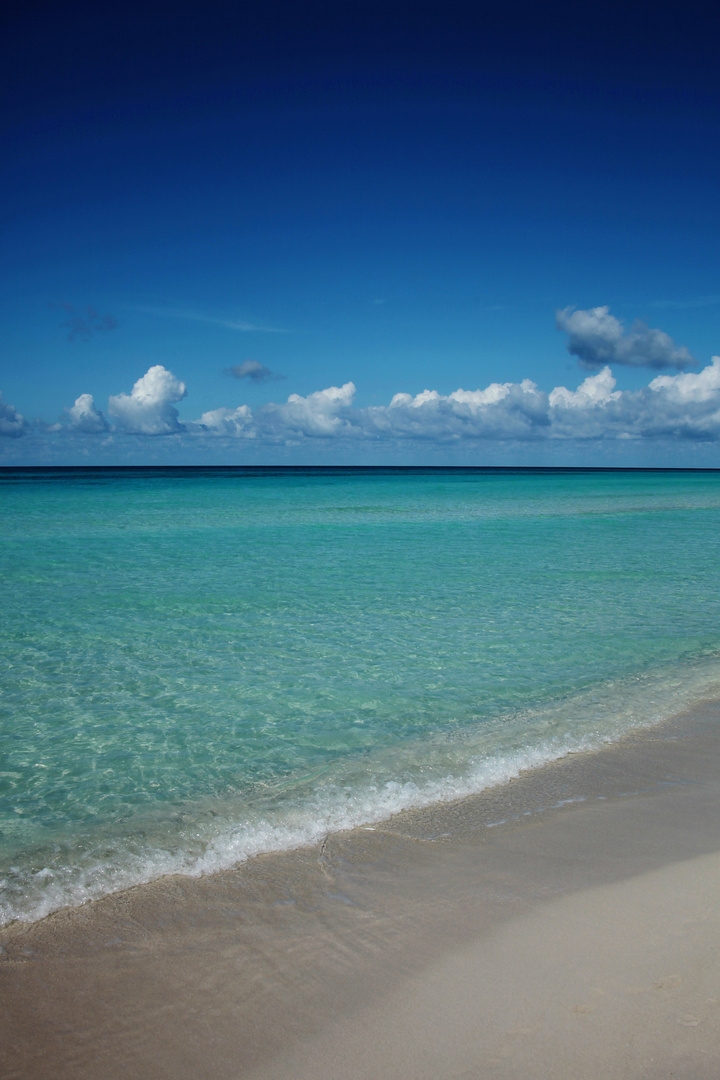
x=564 y=925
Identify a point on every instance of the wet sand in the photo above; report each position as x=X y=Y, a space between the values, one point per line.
x=564 y=925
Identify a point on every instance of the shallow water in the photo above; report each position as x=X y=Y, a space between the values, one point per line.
x=203 y=664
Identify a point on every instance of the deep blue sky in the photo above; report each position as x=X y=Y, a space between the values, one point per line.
x=397 y=196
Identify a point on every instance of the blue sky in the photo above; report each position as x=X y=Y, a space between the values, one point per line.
x=362 y=233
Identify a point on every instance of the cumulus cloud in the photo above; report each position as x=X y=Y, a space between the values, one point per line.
x=502 y=410
x=12 y=423
x=81 y=326
x=148 y=408
x=597 y=338
x=702 y=386
x=595 y=390
x=690 y=403
x=253 y=370
x=672 y=406
x=85 y=417
x=323 y=414
x=238 y=422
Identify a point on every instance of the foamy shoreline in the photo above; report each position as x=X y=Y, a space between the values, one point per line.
x=223 y=834
x=430 y=946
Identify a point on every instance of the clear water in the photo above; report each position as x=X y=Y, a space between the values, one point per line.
x=201 y=664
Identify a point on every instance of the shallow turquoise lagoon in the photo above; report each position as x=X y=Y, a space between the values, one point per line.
x=201 y=664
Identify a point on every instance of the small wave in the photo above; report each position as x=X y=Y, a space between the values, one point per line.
x=218 y=838
x=29 y=894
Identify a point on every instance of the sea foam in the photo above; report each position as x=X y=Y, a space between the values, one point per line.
x=216 y=838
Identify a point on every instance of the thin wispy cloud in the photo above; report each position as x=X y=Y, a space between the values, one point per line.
x=83 y=324
x=696 y=302
x=254 y=371
x=213 y=320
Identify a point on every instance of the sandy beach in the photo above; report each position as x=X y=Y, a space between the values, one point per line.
x=564 y=925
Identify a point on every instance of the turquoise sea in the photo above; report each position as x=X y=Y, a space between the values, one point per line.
x=198 y=665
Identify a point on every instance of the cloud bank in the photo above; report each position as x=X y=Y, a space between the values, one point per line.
x=597 y=338
x=685 y=406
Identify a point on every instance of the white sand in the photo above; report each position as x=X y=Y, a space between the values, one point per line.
x=580 y=939
x=620 y=981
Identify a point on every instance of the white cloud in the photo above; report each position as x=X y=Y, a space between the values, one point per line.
x=85 y=417
x=148 y=409
x=672 y=406
x=323 y=414
x=583 y=413
x=595 y=390
x=12 y=423
x=597 y=338
x=238 y=422
x=689 y=403
x=697 y=387
x=501 y=411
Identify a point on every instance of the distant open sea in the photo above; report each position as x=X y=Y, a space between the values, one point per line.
x=198 y=665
